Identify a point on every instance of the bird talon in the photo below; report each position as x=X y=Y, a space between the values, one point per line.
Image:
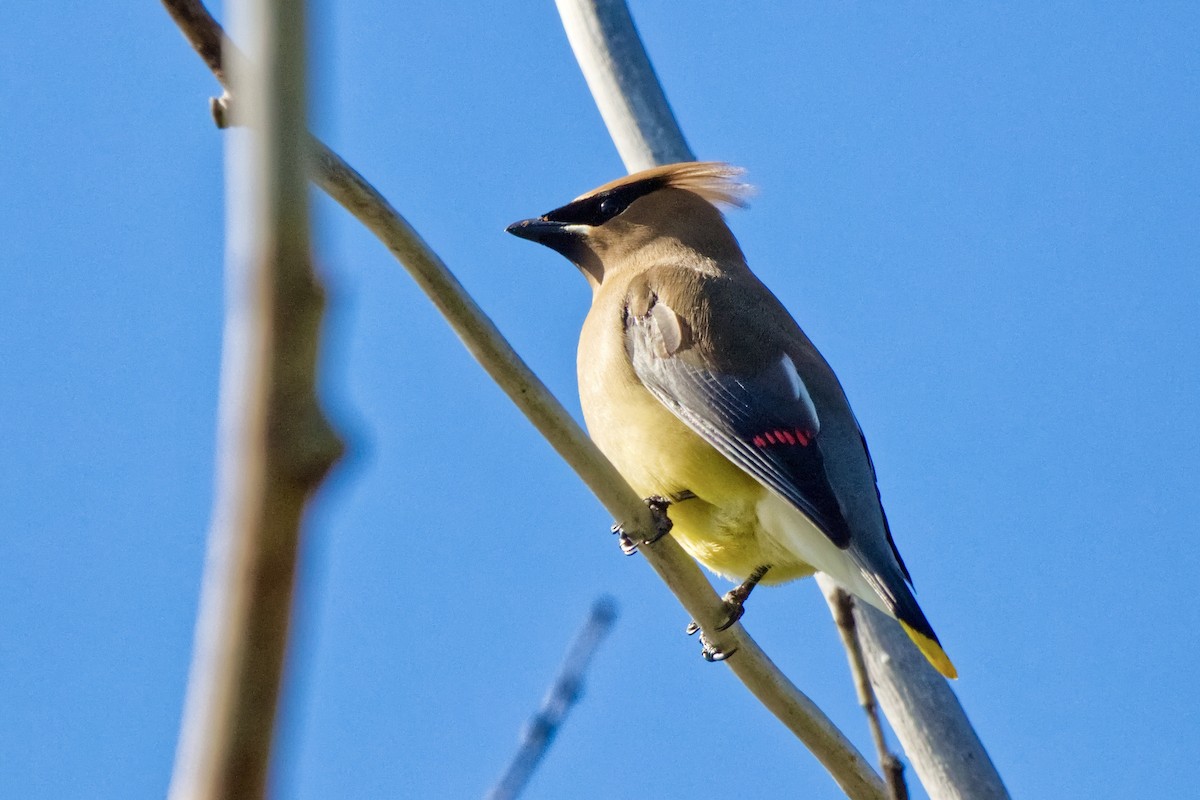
x=735 y=598
x=734 y=610
x=662 y=525
x=628 y=546
x=711 y=653
x=658 y=509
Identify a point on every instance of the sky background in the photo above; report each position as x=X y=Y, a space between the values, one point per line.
x=988 y=219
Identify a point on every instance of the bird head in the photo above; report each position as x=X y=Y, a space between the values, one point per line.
x=668 y=212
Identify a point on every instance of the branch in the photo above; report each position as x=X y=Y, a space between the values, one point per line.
x=681 y=574
x=626 y=90
x=931 y=724
x=275 y=446
x=563 y=694
x=945 y=751
x=842 y=604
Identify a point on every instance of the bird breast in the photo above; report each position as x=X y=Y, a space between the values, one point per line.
x=659 y=455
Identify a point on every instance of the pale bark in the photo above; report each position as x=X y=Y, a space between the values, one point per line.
x=274 y=444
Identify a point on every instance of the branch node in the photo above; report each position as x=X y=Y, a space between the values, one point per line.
x=222 y=110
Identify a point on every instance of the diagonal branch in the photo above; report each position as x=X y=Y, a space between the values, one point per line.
x=681 y=574
x=927 y=717
x=563 y=694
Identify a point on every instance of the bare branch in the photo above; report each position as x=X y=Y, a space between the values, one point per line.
x=275 y=445
x=622 y=80
x=842 y=605
x=945 y=751
x=681 y=574
x=204 y=34
x=563 y=694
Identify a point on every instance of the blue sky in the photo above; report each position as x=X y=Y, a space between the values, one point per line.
x=988 y=219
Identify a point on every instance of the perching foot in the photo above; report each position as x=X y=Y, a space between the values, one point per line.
x=662 y=525
x=735 y=599
x=711 y=652
x=735 y=602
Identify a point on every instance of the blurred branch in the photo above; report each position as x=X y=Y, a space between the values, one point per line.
x=842 y=605
x=275 y=445
x=563 y=694
x=935 y=732
x=681 y=574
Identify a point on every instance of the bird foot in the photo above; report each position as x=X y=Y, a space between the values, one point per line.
x=711 y=653
x=662 y=525
x=734 y=610
x=735 y=606
x=628 y=546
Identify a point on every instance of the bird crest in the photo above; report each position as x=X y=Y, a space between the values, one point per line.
x=715 y=181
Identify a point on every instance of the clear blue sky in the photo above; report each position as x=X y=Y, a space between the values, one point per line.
x=988 y=219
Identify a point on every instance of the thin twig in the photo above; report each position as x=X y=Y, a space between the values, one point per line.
x=204 y=34
x=927 y=717
x=891 y=766
x=275 y=445
x=563 y=694
x=680 y=573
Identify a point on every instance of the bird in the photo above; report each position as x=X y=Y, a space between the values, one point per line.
x=703 y=391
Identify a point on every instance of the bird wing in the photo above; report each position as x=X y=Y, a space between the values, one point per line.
x=745 y=396
x=763 y=420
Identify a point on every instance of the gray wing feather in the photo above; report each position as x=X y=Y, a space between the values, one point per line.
x=766 y=423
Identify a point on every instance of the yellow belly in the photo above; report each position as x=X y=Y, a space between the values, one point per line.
x=730 y=541
x=659 y=455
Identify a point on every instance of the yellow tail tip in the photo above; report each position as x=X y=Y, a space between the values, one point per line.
x=932 y=651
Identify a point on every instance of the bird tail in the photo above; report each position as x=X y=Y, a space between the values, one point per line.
x=897 y=599
x=931 y=648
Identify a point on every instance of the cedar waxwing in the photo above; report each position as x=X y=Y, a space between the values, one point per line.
x=701 y=389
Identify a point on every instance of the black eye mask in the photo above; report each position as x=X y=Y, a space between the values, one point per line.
x=597 y=209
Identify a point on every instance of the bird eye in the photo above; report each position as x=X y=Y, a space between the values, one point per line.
x=609 y=208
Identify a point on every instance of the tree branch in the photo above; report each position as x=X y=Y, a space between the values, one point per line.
x=275 y=445
x=930 y=723
x=564 y=693
x=842 y=604
x=681 y=574
x=623 y=84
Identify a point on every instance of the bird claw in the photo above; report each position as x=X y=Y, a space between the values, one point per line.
x=734 y=609
x=711 y=652
x=735 y=606
x=708 y=650
x=733 y=612
x=628 y=546
x=658 y=509
x=662 y=525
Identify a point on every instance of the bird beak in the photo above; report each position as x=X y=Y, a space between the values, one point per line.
x=542 y=231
